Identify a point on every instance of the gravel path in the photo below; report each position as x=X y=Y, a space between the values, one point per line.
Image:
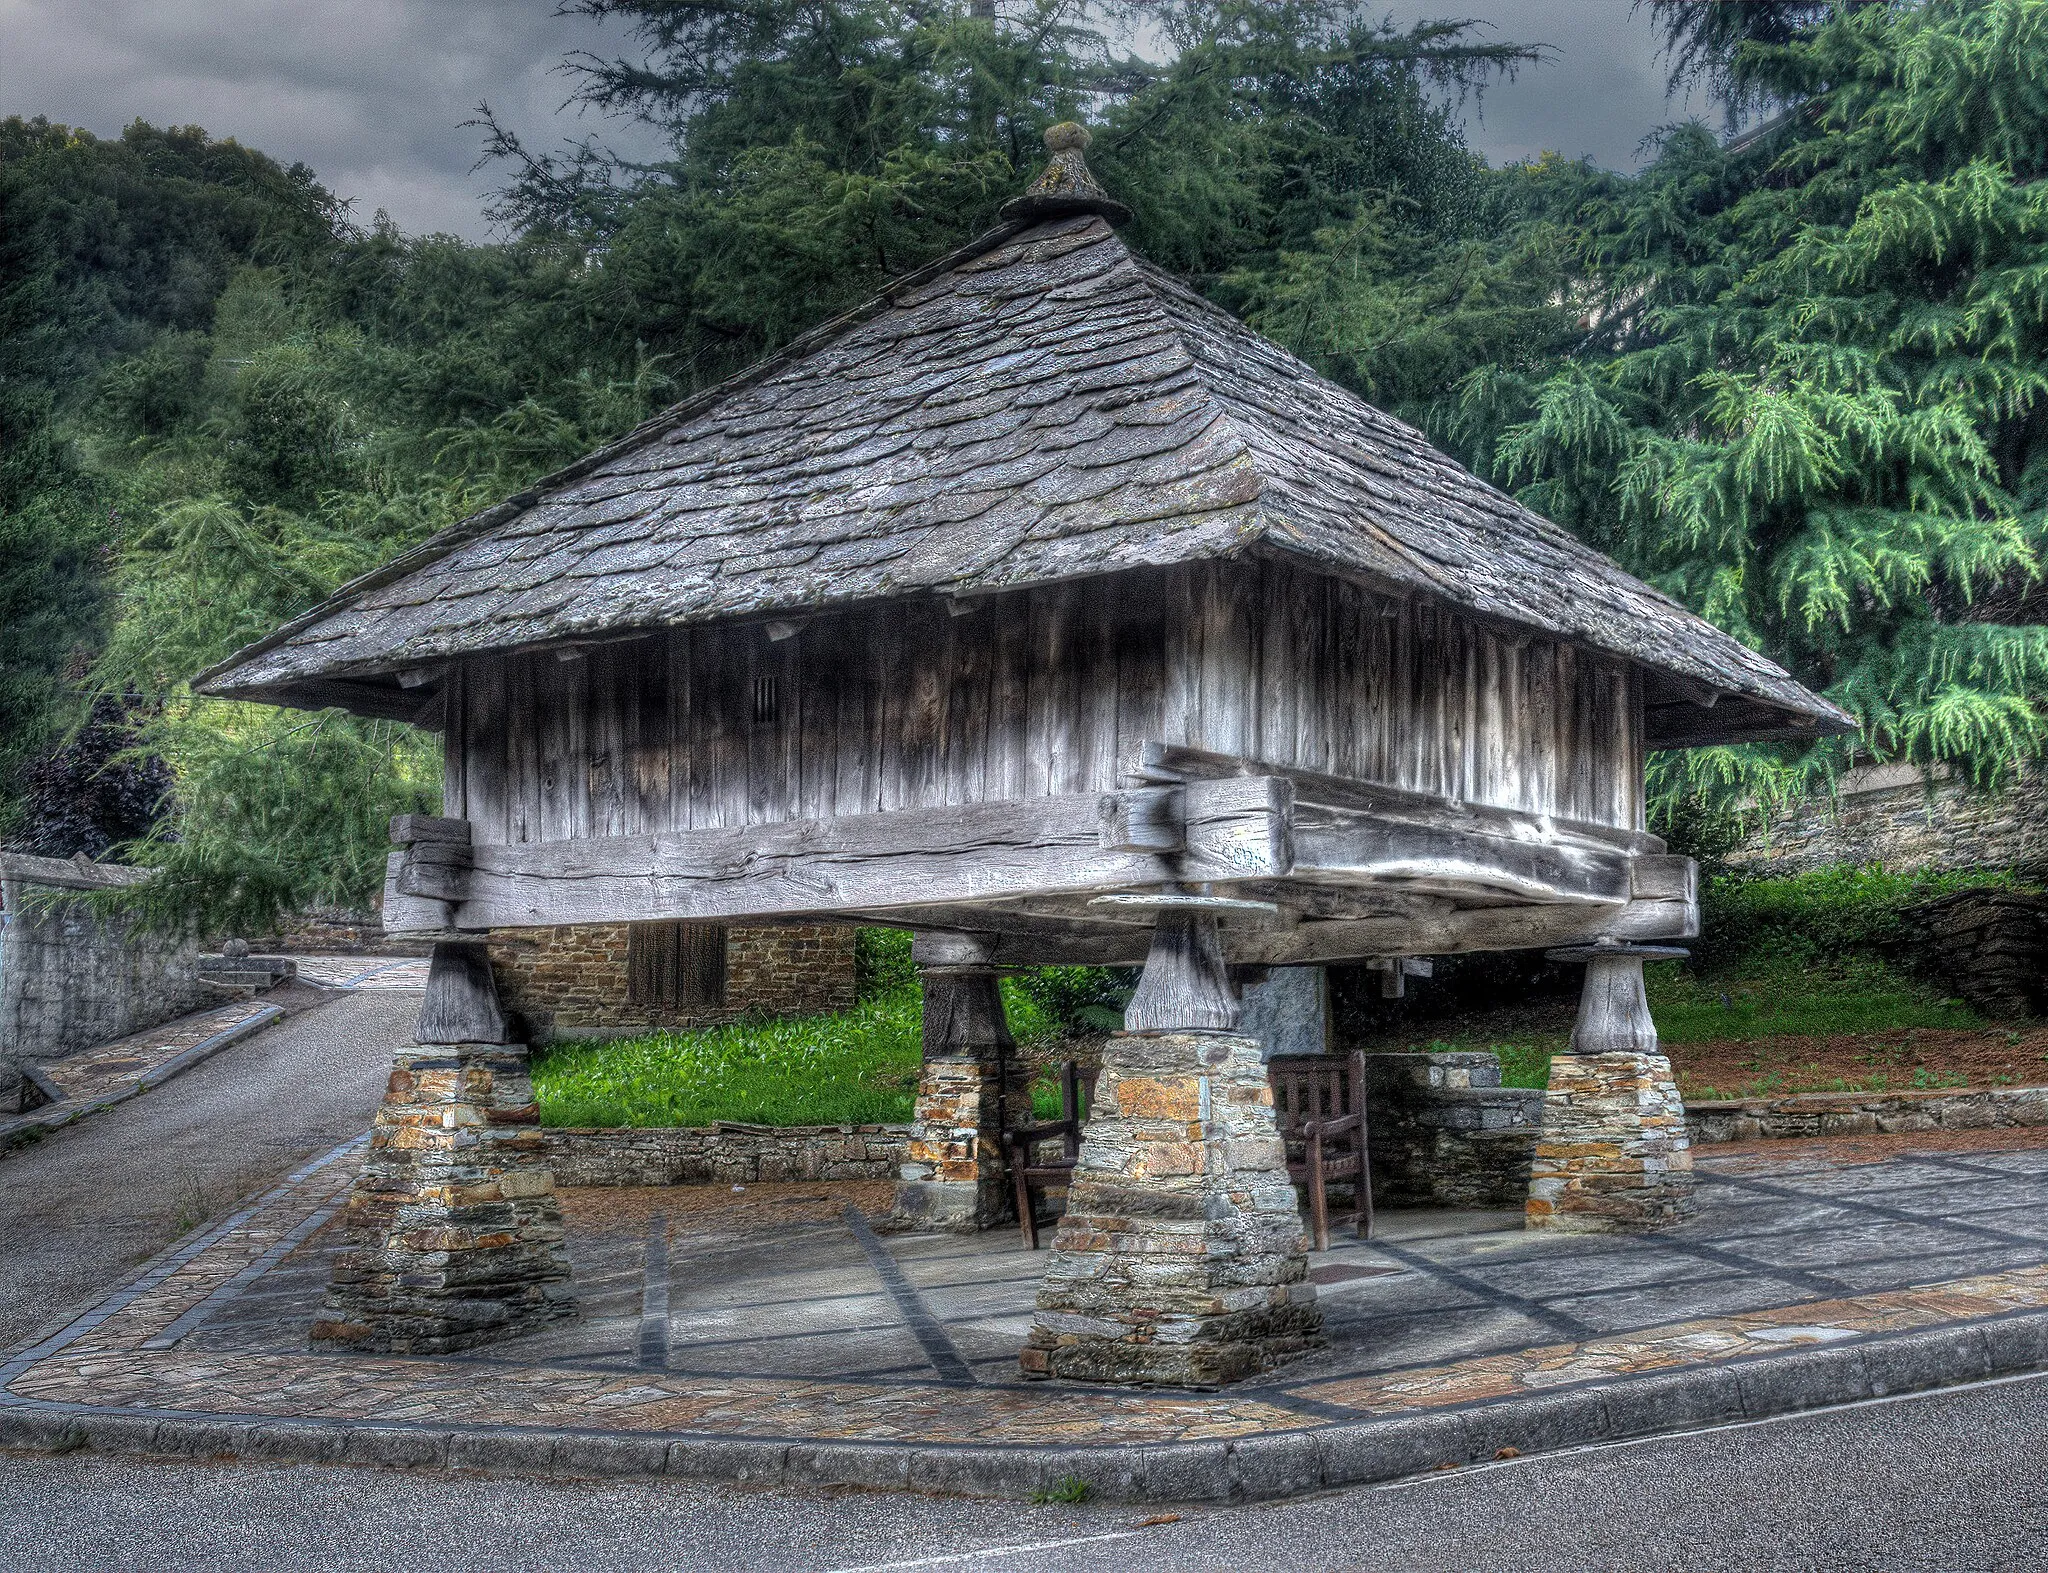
x=82 y=1207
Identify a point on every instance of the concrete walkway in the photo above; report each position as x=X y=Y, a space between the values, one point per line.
x=773 y=1337
x=84 y=1206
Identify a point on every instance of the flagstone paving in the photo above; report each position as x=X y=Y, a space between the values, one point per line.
x=776 y=1312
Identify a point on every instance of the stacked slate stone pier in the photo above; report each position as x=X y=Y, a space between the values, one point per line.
x=974 y=1088
x=1613 y=1153
x=1181 y=1259
x=454 y=1235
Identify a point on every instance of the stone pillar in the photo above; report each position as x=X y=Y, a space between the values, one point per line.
x=955 y=1176
x=1288 y=1011
x=1181 y=1259
x=454 y=1236
x=1613 y=1152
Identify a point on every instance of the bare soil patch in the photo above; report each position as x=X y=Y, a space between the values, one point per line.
x=1911 y=1059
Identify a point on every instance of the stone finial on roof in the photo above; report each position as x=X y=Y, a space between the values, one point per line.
x=1066 y=187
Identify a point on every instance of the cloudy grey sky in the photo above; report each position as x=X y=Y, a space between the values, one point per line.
x=372 y=93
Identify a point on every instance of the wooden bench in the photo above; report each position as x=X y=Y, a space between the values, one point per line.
x=1319 y=1102
x=1028 y=1169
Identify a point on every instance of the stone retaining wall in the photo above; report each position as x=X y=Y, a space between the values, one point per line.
x=1446 y=1133
x=728 y=1153
x=1894 y=815
x=1867 y=1113
x=72 y=979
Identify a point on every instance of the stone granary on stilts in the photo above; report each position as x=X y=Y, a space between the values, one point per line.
x=1042 y=608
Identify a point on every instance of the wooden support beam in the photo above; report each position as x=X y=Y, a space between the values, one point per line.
x=871 y=862
x=462 y=998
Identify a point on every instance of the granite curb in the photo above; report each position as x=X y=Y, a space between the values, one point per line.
x=55 y=1116
x=1267 y=1466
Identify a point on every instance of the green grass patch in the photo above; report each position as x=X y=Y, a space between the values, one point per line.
x=1854 y=997
x=857 y=1067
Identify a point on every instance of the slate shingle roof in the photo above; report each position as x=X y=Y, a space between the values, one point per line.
x=1041 y=406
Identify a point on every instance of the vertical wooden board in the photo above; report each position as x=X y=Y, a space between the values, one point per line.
x=682 y=728
x=1577 y=736
x=772 y=719
x=454 y=749
x=1139 y=611
x=1096 y=764
x=892 y=681
x=1350 y=693
x=1634 y=806
x=1539 y=726
x=858 y=743
x=1227 y=614
x=561 y=690
x=645 y=736
x=821 y=675
x=1180 y=704
x=1508 y=725
x=1315 y=742
x=522 y=750
x=963 y=724
x=1053 y=687
x=919 y=732
x=1276 y=676
x=717 y=757
x=1006 y=771
x=487 y=761
x=607 y=680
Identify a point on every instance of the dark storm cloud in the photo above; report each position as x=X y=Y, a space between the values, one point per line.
x=372 y=93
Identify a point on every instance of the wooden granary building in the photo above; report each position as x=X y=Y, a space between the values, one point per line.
x=1043 y=608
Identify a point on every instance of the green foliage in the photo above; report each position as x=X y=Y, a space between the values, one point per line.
x=1854 y=996
x=1807 y=404
x=1824 y=918
x=882 y=964
x=853 y=1067
x=859 y=1067
x=1078 y=1001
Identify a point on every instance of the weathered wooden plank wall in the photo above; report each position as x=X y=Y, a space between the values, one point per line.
x=911 y=704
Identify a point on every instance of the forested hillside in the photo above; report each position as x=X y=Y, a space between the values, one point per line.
x=1792 y=377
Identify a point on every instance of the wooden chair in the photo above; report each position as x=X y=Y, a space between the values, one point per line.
x=1028 y=1169
x=1319 y=1102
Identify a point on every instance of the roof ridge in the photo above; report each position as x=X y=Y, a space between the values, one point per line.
x=464 y=530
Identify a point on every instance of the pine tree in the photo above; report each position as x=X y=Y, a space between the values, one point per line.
x=1809 y=397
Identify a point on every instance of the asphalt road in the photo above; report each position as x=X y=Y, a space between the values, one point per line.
x=1953 y=1481
x=82 y=1207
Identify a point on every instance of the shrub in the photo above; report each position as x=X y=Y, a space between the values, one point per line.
x=1826 y=917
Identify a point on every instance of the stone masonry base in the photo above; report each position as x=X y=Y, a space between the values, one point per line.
x=1181 y=1259
x=455 y=1238
x=952 y=1176
x=1613 y=1153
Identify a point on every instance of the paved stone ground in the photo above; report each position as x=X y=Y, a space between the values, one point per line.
x=781 y=1317
x=1948 y=1481
x=84 y=1206
x=365 y=972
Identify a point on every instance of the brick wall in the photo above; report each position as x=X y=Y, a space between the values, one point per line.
x=1889 y=814
x=572 y=980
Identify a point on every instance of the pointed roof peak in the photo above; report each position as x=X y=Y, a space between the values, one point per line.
x=1066 y=187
